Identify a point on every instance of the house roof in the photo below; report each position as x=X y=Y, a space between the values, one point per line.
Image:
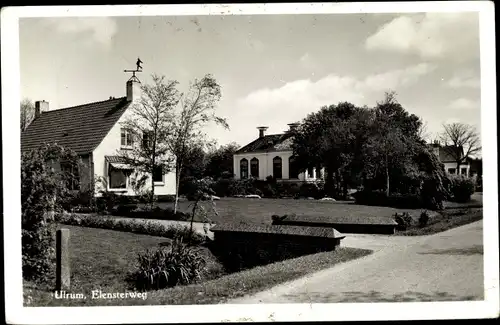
x=80 y=128
x=271 y=142
x=444 y=153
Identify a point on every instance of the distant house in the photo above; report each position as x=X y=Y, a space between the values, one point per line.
x=271 y=155
x=446 y=158
x=94 y=131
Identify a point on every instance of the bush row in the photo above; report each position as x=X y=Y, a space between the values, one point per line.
x=138 y=227
x=380 y=198
x=268 y=188
x=133 y=211
x=459 y=187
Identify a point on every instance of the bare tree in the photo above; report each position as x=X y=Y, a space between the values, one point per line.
x=461 y=141
x=197 y=109
x=27 y=113
x=151 y=118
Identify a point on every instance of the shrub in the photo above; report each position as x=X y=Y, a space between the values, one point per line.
x=404 y=220
x=169 y=266
x=43 y=192
x=311 y=190
x=423 y=220
x=462 y=188
x=404 y=201
x=138 y=227
x=288 y=189
x=396 y=200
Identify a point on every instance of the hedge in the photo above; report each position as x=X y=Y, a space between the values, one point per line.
x=133 y=226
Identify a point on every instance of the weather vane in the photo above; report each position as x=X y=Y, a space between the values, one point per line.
x=138 y=69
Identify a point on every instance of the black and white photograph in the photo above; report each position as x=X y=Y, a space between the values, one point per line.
x=250 y=162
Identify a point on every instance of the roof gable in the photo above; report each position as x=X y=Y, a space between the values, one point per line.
x=445 y=154
x=80 y=128
x=271 y=142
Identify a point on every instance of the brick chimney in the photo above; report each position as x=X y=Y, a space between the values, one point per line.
x=262 y=131
x=133 y=89
x=40 y=107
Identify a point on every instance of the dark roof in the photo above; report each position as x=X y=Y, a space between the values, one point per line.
x=445 y=153
x=278 y=229
x=80 y=128
x=361 y=220
x=271 y=142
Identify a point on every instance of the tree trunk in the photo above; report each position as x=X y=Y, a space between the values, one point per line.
x=387 y=176
x=192 y=219
x=328 y=180
x=178 y=168
x=458 y=167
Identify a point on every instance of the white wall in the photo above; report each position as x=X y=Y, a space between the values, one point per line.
x=266 y=164
x=110 y=146
x=448 y=165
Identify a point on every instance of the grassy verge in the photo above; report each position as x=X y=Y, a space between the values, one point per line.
x=103 y=259
x=447 y=219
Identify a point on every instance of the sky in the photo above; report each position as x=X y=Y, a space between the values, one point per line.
x=273 y=69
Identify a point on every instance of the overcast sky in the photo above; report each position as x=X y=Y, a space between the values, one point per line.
x=274 y=69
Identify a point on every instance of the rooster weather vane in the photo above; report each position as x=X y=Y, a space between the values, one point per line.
x=138 y=69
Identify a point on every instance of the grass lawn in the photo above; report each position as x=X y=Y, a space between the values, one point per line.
x=102 y=259
x=447 y=219
x=237 y=210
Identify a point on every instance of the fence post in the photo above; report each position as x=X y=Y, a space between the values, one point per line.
x=63 y=261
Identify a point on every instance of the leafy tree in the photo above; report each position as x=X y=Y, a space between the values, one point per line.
x=332 y=138
x=27 y=113
x=220 y=161
x=196 y=161
x=151 y=118
x=197 y=109
x=462 y=141
x=43 y=191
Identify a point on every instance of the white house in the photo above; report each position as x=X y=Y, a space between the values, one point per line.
x=95 y=132
x=450 y=164
x=271 y=155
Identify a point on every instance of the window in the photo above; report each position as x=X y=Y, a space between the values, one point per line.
x=244 y=168
x=463 y=171
x=71 y=176
x=294 y=172
x=451 y=170
x=277 y=167
x=254 y=167
x=310 y=172
x=127 y=138
x=147 y=138
x=158 y=174
x=117 y=178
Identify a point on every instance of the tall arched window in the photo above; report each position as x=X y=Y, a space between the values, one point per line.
x=277 y=167
x=254 y=167
x=292 y=167
x=243 y=168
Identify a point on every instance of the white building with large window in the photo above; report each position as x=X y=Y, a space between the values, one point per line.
x=95 y=132
x=445 y=156
x=271 y=155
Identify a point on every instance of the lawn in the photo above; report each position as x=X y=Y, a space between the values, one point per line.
x=102 y=259
x=237 y=210
x=447 y=219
